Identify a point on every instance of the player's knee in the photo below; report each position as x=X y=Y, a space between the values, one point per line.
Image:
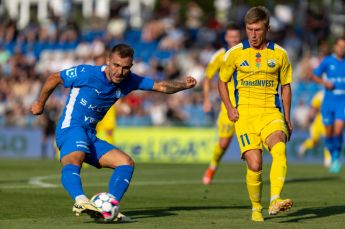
x=74 y=158
x=128 y=161
x=255 y=166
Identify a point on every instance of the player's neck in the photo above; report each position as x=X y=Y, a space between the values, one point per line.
x=262 y=46
x=338 y=57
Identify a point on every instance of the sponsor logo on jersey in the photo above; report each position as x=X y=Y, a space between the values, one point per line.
x=257 y=83
x=71 y=73
x=244 y=63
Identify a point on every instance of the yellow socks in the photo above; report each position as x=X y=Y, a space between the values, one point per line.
x=254 y=186
x=278 y=169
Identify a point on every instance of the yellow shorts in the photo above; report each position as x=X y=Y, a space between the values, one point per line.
x=252 y=128
x=226 y=128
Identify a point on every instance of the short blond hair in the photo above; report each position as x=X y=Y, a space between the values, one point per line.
x=257 y=13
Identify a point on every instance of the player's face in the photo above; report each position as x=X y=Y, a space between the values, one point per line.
x=339 y=48
x=232 y=37
x=256 y=33
x=118 y=67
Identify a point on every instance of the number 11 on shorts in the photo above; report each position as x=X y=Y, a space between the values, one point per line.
x=245 y=139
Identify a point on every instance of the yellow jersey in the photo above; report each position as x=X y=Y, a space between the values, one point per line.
x=213 y=67
x=105 y=128
x=215 y=63
x=257 y=74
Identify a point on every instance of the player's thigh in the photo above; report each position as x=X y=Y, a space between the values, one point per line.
x=72 y=140
x=338 y=127
x=273 y=129
x=106 y=155
x=114 y=158
x=247 y=133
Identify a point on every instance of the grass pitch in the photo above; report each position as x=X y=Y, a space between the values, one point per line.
x=169 y=196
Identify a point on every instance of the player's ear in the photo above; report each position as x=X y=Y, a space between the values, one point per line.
x=268 y=28
x=108 y=61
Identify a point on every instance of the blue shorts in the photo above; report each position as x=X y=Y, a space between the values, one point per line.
x=73 y=139
x=332 y=112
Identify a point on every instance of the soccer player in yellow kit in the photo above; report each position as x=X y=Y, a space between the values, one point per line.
x=106 y=127
x=258 y=67
x=226 y=127
x=316 y=131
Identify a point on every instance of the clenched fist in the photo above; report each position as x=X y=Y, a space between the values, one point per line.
x=37 y=108
x=190 y=81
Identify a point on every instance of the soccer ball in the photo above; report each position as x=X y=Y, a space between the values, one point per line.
x=107 y=204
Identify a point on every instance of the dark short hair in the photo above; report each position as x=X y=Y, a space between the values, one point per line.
x=339 y=39
x=233 y=26
x=123 y=50
x=256 y=14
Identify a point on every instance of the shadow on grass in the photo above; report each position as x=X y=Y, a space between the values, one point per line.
x=312 y=179
x=165 y=212
x=169 y=211
x=311 y=213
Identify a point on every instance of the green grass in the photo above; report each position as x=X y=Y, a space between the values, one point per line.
x=169 y=196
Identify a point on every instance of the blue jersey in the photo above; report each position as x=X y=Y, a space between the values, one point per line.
x=335 y=73
x=333 y=105
x=92 y=94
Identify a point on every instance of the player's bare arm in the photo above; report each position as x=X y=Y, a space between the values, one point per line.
x=286 y=99
x=206 y=88
x=170 y=87
x=327 y=84
x=51 y=83
x=224 y=94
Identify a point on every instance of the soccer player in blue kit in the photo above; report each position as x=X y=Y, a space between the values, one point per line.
x=94 y=89
x=333 y=106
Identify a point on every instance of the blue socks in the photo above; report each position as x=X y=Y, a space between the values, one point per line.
x=329 y=143
x=120 y=180
x=70 y=179
x=118 y=184
x=337 y=143
x=333 y=144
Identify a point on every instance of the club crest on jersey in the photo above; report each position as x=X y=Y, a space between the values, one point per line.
x=118 y=93
x=258 y=60
x=271 y=63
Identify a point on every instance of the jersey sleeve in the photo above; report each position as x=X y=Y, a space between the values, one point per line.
x=214 y=64
x=285 y=70
x=76 y=76
x=141 y=83
x=319 y=70
x=227 y=67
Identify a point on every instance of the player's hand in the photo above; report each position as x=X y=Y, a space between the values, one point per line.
x=233 y=114
x=37 y=108
x=190 y=82
x=289 y=128
x=207 y=105
x=328 y=85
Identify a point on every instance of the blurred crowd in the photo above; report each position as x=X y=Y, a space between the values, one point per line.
x=172 y=43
